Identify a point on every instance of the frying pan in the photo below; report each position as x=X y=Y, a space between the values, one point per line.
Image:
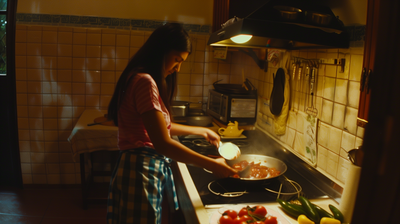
x=267 y=161
x=201 y=120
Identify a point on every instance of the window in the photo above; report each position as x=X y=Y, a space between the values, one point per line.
x=3 y=54
x=3 y=22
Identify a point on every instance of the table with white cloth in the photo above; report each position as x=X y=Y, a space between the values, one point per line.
x=88 y=140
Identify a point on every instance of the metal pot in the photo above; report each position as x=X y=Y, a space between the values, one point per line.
x=180 y=108
x=267 y=161
x=288 y=13
x=318 y=18
x=202 y=120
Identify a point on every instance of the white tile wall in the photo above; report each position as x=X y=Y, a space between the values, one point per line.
x=60 y=71
x=337 y=95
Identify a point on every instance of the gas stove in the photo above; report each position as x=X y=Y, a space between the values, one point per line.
x=233 y=191
x=202 y=146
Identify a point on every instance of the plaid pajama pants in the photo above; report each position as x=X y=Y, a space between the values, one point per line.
x=137 y=185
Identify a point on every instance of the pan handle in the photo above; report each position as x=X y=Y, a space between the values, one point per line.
x=216 y=82
x=251 y=84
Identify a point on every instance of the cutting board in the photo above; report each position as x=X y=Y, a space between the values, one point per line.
x=310 y=137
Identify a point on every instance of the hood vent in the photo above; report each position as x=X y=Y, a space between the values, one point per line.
x=285 y=24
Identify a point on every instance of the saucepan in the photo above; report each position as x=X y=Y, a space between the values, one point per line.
x=288 y=13
x=200 y=120
x=318 y=18
x=267 y=161
x=180 y=108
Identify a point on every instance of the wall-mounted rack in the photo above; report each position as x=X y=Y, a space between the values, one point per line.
x=339 y=62
x=323 y=61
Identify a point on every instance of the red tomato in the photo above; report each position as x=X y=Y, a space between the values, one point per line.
x=259 y=222
x=231 y=213
x=259 y=211
x=246 y=217
x=242 y=212
x=225 y=219
x=271 y=220
x=238 y=220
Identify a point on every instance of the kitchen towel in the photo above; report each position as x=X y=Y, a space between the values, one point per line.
x=310 y=136
x=280 y=120
x=277 y=94
x=349 y=192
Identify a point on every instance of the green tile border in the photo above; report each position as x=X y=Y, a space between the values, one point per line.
x=100 y=22
x=356 y=33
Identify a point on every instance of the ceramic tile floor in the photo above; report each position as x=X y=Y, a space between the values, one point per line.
x=48 y=206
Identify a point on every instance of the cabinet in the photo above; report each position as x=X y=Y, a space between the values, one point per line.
x=368 y=75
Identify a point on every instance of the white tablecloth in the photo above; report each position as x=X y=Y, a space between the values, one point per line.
x=92 y=138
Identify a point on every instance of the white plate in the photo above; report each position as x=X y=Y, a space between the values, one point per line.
x=214 y=219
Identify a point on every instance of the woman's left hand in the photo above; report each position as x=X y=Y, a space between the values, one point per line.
x=212 y=137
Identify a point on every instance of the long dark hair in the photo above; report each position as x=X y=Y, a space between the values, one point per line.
x=150 y=59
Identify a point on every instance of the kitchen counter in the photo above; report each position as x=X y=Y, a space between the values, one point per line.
x=198 y=213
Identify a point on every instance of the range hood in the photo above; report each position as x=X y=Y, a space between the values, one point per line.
x=285 y=24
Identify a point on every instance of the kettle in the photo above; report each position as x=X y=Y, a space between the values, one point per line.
x=232 y=130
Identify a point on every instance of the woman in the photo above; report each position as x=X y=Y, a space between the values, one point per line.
x=140 y=108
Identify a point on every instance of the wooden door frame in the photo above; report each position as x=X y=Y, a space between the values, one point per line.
x=378 y=197
x=10 y=164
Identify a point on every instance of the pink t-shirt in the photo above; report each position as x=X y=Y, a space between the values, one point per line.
x=141 y=96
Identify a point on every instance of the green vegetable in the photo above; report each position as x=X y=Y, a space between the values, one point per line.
x=302 y=219
x=322 y=212
x=310 y=210
x=298 y=207
x=326 y=220
x=336 y=213
x=250 y=212
x=291 y=209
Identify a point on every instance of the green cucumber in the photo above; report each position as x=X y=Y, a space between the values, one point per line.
x=291 y=209
x=337 y=214
x=311 y=211
x=322 y=212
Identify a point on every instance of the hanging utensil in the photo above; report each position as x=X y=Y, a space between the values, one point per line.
x=312 y=110
x=299 y=75
x=294 y=70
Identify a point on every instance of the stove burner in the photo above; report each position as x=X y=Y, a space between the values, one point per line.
x=201 y=142
x=241 y=143
x=230 y=187
x=196 y=142
x=226 y=194
x=201 y=146
x=289 y=186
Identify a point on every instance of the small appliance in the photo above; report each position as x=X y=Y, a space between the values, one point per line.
x=230 y=107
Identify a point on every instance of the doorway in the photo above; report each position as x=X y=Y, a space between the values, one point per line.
x=10 y=166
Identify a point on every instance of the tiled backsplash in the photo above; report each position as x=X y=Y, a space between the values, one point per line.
x=337 y=95
x=336 y=99
x=63 y=70
x=60 y=72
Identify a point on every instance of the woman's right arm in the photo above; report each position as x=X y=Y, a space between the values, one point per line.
x=154 y=123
